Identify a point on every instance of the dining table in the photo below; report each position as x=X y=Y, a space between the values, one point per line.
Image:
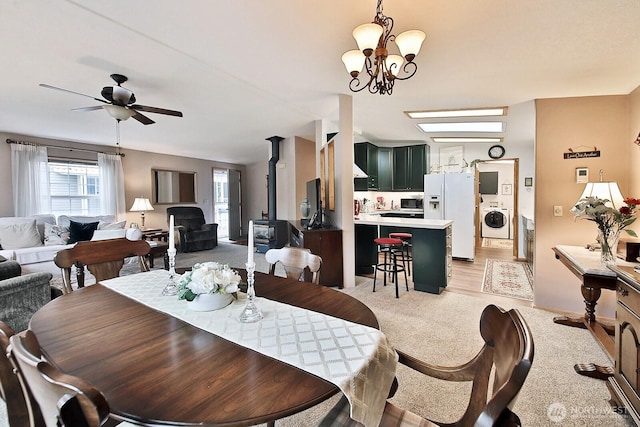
x=157 y=363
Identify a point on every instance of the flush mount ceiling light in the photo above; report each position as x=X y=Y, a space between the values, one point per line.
x=383 y=69
x=469 y=112
x=461 y=140
x=495 y=127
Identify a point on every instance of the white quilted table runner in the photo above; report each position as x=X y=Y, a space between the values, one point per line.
x=356 y=358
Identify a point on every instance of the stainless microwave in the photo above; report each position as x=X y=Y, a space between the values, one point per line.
x=411 y=204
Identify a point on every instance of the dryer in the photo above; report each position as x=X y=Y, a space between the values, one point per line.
x=495 y=223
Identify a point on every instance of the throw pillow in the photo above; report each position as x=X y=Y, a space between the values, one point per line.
x=108 y=234
x=80 y=232
x=103 y=225
x=55 y=235
x=20 y=235
x=2 y=259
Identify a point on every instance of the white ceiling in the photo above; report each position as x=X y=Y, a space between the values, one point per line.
x=244 y=70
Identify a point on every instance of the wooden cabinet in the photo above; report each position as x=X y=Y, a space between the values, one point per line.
x=385 y=168
x=391 y=168
x=409 y=167
x=327 y=244
x=366 y=157
x=626 y=378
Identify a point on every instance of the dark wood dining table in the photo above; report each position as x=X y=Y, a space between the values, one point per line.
x=156 y=369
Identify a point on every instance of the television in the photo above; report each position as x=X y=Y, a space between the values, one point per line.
x=314 y=197
x=488 y=182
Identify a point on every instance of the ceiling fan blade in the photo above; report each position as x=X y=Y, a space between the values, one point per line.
x=156 y=110
x=142 y=118
x=96 y=107
x=70 y=91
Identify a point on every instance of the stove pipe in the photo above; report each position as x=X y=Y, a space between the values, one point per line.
x=275 y=156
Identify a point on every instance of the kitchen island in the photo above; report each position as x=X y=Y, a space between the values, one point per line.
x=431 y=268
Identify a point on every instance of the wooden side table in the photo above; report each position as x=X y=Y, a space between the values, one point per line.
x=155 y=234
x=159 y=248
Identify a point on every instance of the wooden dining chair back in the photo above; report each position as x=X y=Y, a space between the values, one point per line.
x=507 y=352
x=103 y=258
x=295 y=262
x=18 y=412
x=62 y=399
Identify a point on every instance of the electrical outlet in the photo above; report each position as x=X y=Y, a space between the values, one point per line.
x=557 y=211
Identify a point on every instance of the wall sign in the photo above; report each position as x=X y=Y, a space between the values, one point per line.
x=572 y=154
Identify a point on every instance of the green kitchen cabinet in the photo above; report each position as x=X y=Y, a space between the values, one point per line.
x=385 y=168
x=366 y=157
x=409 y=167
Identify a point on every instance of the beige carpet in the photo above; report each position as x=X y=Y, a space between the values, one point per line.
x=443 y=329
x=488 y=242
x=508 y=278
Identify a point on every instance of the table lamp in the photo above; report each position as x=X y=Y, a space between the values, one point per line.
x=603 y=190
x=141 y=204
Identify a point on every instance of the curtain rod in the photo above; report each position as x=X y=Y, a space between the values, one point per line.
x=11 y=141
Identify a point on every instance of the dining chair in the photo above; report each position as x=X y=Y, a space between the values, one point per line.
x=18 y=412
x=103 y=258
x=295 y=261
x=62 y=399
x=507 y=352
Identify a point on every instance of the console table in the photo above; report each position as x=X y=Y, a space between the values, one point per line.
x=595 y=277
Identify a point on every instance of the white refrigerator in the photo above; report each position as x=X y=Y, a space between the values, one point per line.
x=452 y=196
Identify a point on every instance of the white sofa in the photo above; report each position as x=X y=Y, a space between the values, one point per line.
x=34 y=241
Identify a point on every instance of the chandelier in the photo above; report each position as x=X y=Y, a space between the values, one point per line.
x=383 y=69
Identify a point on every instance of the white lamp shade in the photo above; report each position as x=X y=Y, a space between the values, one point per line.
x=604 y=190
x=117 y=112
x=367 y=36
x=394 y=62
x=353 y=61
x=141 y=204
x=410 y=42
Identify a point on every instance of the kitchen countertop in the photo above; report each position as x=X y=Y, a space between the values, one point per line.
x=373 y=219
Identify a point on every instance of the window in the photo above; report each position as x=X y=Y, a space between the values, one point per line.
x=74 y=187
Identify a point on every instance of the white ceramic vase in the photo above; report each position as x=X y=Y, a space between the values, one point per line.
x=210 y=302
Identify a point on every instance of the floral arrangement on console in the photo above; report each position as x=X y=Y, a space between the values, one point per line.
x=208 y=278
x=610 y=221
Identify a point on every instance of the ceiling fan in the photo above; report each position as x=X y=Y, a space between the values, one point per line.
x=119 y=102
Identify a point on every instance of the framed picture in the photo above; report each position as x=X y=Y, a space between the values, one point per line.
x=452 y=159
x=506 y=189
x=528 y=181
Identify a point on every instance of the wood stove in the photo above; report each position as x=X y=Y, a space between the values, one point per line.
x=269 y=234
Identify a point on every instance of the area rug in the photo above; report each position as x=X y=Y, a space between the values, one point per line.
x=497 y=243
x=508 y=278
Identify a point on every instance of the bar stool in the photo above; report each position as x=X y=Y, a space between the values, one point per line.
x=389 y=248
x=406 y=253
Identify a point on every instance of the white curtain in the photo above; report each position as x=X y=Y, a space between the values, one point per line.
x=30 y=180
x=111 y=185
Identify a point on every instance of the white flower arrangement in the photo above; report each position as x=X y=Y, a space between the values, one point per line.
x=208 y=278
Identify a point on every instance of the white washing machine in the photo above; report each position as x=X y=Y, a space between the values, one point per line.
x=495 y=223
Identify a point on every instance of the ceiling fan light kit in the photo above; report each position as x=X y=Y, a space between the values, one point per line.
x=383 y=69
x=119 y=102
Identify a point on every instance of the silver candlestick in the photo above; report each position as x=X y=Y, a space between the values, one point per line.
x=250 y=313
x=172 y=287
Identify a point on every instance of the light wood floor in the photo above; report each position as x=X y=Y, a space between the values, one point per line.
x=467 y=275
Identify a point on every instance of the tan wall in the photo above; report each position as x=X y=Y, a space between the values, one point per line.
x=578 y=123
x=305 y=169
x=634 y=157
x=137 y=167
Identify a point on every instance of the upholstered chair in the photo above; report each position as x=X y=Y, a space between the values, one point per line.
x=195 y=235
x=22 y=296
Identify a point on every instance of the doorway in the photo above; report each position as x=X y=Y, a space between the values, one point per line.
x=227 y=206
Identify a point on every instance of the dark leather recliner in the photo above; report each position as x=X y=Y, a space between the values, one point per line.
x=195 y=235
